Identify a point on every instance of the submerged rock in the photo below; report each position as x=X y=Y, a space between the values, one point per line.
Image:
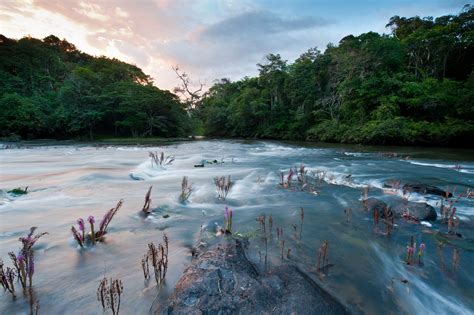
x=425 y=189
x=221 y=280
x=420 y=211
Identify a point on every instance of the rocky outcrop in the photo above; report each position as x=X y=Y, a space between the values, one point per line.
x=221 y=280
x=420 y=211
x=425 y=189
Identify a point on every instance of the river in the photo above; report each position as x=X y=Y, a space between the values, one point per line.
x=367 y=272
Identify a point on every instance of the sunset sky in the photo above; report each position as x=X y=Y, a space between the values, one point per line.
x=209 y=38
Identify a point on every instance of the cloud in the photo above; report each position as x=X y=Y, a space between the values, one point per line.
x=209 y=39
x=258 y=23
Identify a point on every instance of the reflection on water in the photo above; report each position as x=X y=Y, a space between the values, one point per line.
x=367 y=273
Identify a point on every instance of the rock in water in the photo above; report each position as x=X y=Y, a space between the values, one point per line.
x=418 y=210
x=425 y=189
x=221 y=280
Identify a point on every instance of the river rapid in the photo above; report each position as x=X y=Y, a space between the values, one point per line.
x=367 y=269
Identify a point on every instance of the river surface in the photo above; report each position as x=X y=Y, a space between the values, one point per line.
x=367 y=270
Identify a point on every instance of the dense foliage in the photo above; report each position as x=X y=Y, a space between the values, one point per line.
x=51 y=89
x=414 y=86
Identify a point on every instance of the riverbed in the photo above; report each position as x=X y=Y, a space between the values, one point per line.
x=367 y=270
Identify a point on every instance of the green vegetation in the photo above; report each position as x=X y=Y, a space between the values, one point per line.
x=19 y=191
x=414 y=86
x=50 y=89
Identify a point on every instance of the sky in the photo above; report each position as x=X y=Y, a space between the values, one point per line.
x=209 y=39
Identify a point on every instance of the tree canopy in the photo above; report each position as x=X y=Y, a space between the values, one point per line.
x=413 y=86
x=51 y=89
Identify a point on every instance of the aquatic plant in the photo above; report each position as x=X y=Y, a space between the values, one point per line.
x=109 y=295
x=186 y=189
x=23 y=264
x=411 y=248
x=228 y=220
x=159 y=160
x=146 y=205
x=157 y=257
x=421 y=251
x=302 y=175
x=261 y=220
x=19 y=191
x=7 y=278
x=323 y=255
x=223 y=186
x=286 y=183
x=93 y=237
x=288 y=253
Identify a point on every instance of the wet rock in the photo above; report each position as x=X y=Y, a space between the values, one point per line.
x=221 y=280
x=420 y=211
x=425 y=189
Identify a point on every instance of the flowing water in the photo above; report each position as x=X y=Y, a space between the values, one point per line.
x=367 y=270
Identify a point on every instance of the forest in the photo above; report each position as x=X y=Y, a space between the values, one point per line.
x=413 y=86
x=50 y=89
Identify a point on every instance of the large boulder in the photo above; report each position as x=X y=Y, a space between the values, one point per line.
x=420 y=211
x=221 y=280
x=425 y=189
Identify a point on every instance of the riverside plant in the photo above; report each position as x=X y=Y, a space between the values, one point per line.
x=109 y=294
x=223 y=186
x=411 y=248
x=302 y=176
x=323 y=255
x=186 y=189
x=228 y=220
x=156 y=257
x=146 y=205
x=286 y=183
x=23 y=264
x=261 y=220
x=421 y=251
x=159 y=160
x=82 y=238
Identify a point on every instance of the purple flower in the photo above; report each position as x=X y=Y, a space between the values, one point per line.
x=422 y=246
x=20 y=257
x=91 y=219
x=81 y=224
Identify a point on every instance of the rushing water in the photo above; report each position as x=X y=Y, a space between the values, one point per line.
x=73 y=181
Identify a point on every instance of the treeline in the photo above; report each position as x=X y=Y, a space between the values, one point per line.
x=414 y=86
x=50 y=89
